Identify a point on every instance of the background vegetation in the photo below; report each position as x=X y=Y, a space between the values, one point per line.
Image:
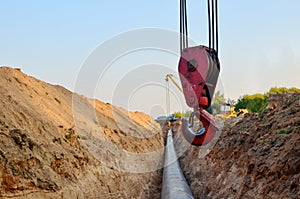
x=258 y=102
x=255 y=103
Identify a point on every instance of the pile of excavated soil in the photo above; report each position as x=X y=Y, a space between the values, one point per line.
x=57 y=144
x=257 y=156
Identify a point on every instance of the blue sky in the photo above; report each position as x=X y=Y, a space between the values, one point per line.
x=259 y=44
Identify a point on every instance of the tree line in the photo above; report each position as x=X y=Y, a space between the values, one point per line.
x=255 y=103
x=258 y=102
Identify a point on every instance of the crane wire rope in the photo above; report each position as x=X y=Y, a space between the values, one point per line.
x=212 y=16
x=213 y=30
x=168 y=103
x=183 y=26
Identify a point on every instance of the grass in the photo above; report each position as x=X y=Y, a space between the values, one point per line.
x=263 y=110
x=241 y=127
x=82 y=137
x=281 y=131
x=68 y=136
x=295 y=129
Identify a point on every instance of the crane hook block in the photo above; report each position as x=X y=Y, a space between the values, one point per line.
x=199 y=69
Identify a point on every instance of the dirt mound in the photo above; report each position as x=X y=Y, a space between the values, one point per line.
x=257 y=156
x=57 y=144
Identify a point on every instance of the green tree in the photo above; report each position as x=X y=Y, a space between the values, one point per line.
x=255 y=103
x=282 y=90
x=232 y=102
x=218 y=100
x=241 y=104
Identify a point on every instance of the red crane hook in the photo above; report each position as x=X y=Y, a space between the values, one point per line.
x=199 y=70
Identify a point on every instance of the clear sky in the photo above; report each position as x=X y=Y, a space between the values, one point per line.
x=51 y=39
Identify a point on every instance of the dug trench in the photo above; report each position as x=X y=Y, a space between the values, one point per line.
x=45 y=153
x=255 y=156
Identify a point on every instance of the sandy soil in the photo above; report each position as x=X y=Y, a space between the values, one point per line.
x=58 y=144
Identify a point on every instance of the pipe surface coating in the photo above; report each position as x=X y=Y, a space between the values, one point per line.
x=174 y=185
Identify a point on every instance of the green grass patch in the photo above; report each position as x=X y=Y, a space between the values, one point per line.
x=282 y=131
x=68 y=136
x=241 y=128
x=82 y=137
